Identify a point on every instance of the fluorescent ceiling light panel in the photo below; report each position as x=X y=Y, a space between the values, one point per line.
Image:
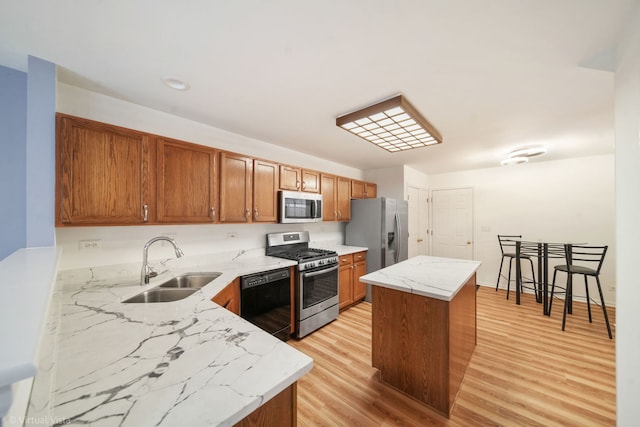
x=395 y=116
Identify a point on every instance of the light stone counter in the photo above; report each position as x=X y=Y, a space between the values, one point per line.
x=434 y=277
x=187 y=362
x=340 y=249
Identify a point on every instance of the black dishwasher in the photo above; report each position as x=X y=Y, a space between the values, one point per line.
x=265 y=301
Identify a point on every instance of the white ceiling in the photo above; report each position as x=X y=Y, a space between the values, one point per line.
x=491 y=75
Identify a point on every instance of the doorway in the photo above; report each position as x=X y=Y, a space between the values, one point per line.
x=452 y=225
x=418 y=221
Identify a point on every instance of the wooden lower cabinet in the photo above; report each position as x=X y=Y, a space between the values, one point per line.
x=229 y=297
x=280 y=411
x=350 y=289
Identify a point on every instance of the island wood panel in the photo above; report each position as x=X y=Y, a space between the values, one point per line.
x=423 y=345
x=280 y=411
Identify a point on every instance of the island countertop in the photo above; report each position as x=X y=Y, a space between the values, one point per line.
x=187 y=362
x=434 y=277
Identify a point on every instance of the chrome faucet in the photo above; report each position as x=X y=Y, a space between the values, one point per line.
x=146 y=272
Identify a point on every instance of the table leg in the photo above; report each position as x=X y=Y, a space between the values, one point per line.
x=545 y=283
x=518 y=273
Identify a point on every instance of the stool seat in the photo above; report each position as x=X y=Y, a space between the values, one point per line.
x=508 y=243
x=576 y=269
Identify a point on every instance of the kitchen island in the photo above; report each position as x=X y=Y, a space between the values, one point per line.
x=424 y=326
x=187 y=362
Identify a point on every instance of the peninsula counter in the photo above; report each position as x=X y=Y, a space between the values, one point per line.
x=424 y=326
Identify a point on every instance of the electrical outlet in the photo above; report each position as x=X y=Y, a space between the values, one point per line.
x=232 y=235
x=90 y=244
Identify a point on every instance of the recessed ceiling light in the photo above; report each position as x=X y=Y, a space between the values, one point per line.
x=175 y=83
x=514 y=161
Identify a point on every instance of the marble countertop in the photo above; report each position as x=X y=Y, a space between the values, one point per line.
x=340 y=249
x=187 y=362
x=433 y=277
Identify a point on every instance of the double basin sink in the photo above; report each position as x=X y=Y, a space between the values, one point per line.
x=175 y=288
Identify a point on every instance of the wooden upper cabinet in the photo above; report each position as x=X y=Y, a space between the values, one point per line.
x=370 y=190
x=310 y=181
x=363 y=190
x=265 y=191
x=357 y=189
x=186 y=182
x=105 y=174
x=343 y=199
x=290 y=178
x=235 y=187
x=329 y=196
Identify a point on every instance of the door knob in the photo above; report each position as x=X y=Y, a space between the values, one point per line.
x=468 y=242
x=420 y=240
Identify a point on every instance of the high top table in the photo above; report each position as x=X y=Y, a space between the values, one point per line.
x=542 y=251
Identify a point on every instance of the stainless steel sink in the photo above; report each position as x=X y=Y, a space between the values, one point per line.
x=190 y=280
x=161 y=295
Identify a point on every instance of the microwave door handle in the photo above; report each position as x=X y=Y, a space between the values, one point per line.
x=318 y=273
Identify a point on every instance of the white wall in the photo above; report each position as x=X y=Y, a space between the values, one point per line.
x=566 y=200
x=124 y=244
x=627 y=131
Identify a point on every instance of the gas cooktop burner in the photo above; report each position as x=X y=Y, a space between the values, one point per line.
x=308 y=254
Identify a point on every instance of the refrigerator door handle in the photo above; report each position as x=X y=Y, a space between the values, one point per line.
x=397 y=238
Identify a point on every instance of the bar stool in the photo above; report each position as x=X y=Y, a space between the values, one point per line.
x=507 y=247
x=589 y=255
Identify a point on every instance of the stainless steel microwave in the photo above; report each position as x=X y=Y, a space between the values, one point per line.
x=296 y=206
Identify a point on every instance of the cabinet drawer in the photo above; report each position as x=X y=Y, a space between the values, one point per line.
x=346 y=259
x=359 y=256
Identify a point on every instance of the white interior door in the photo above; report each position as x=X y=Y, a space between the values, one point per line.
x=418 y=221
x=452 y=223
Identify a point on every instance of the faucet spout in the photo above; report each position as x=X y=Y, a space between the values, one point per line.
x=145 y=273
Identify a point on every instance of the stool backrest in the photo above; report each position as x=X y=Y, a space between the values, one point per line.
x=585 y=254
x=508 y=242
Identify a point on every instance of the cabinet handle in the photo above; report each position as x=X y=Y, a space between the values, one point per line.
x=213 y=213
x=304 y=185
x=246 y=213
x=297 y=184
x=255 y=212
x=339 y=214
x=145 y=212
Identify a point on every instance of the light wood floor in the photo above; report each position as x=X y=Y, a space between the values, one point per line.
x=524 y=372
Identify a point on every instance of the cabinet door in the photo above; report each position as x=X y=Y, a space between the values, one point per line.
x=186 y=182
x=328 y=188
x=105 y=174
x=343 y=199
x=265 y=191
x=290 y=178
x=357 y=189
x=345 y=286
x=310 y=181
x=229 y=297
x=370 y=190
x=359 y=270
x=235 y=187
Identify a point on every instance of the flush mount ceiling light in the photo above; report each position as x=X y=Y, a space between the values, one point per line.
x=175 y=83
x=392 y=124
x=514 y=161
x=522 y=154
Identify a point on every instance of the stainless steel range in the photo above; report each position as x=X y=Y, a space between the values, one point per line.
x=316 y=289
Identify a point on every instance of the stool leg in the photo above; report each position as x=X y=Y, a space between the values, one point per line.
x=566 y=304
x=604 y=308
x=509 y=278
x=499 y=274
x=586 y=288
x=553 y=287
x=535 y=287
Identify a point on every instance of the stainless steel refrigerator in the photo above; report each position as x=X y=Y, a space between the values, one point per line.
x=382 y=226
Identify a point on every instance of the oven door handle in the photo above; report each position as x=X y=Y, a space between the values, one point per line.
x=317 y=273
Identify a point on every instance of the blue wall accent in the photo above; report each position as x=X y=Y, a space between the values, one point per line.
x=41 y=154
x=13 y=138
